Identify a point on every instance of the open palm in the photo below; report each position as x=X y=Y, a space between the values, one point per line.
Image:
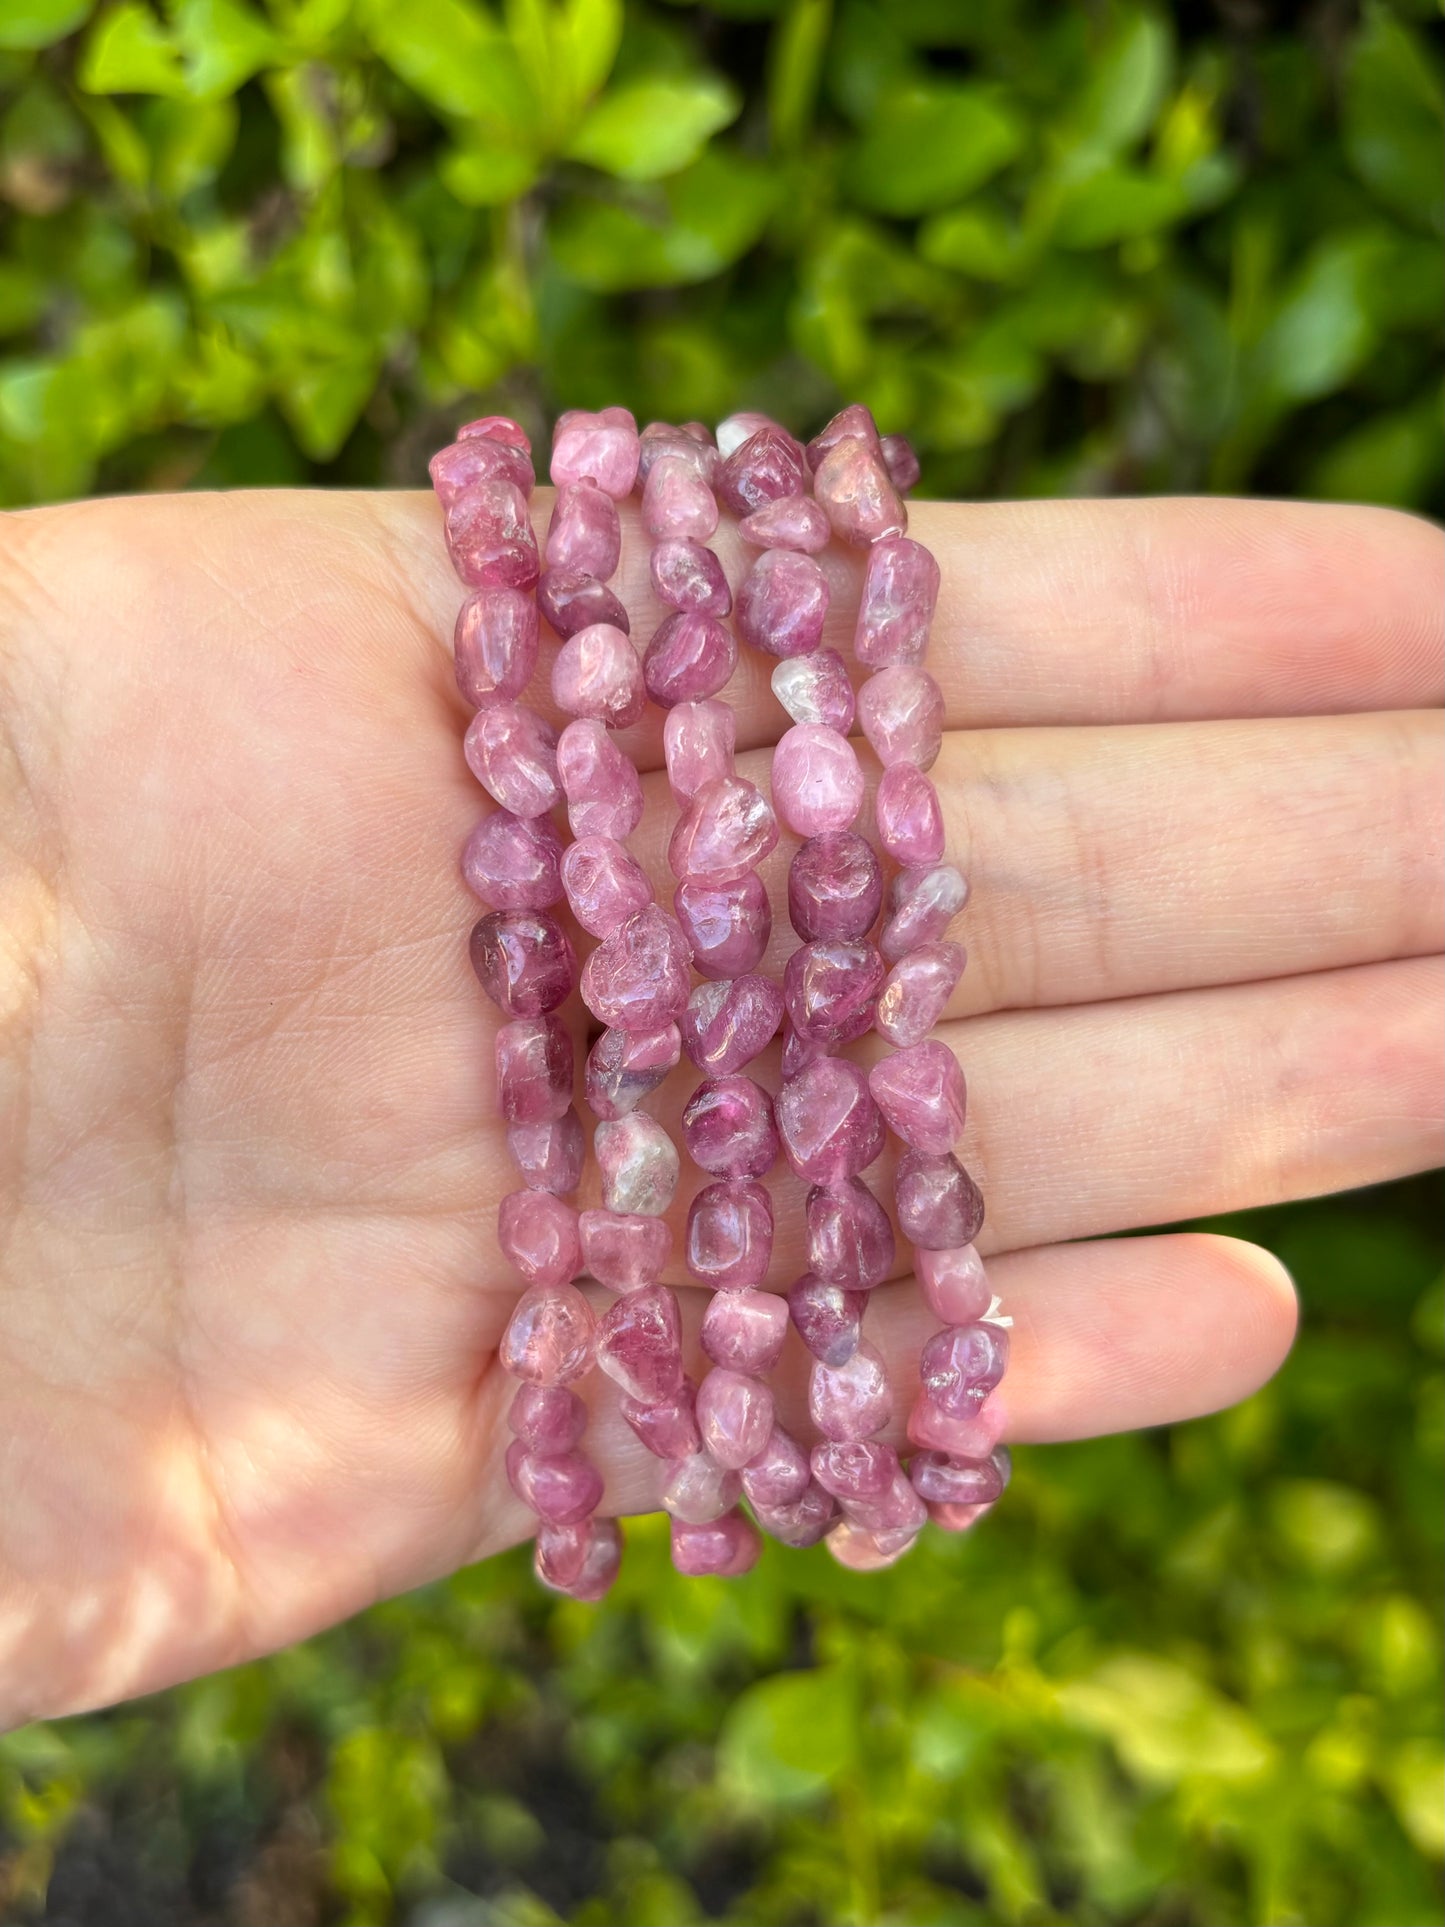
x=251 y=1289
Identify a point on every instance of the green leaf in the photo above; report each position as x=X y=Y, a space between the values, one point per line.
x=26 y=25
x=928 y=145
x=1123 y=87
x=483 y=176
x=654 y=127
x=788 y=1738
x=1322 y=330
x=22 y=297
x=795 y=60
x=1394 y=119
x=976 y=240
x=1117 y=204
x=456 y=57
x=585 y=36
x=224 y=43
x=129 y=52
x=189 y=141
x=1167 y=1724
x=696 y=225
x=323 y=401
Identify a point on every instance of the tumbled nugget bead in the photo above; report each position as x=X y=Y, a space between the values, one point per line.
x=725 y=831
x=497 y=428
x=604 y=448
x=922 y=904
x=778 y=1474
x=688 y=577
x=831 y=1128
x=660 y=440
x=539 y=1234
x=960 y=1365
x=514 y=862
x=938 y=1203
x=479 y=458
x=513 y=755
x=624 y=1250
x=729 y=1239
x=852 y=1400
x=724 y=1548
x=916 y=991
x=639 y=1343
x=849 y=1240
x=782 y=603
x=857 y=1550
x=546 y=1418
x=803 y=1523
x=852 y=422
x=954 y=1283
x=638 y=1163
x=764 y=468
x=830 y=988
x=901 y=713
x=895 y=609
x=570 y=600
x=677 y=501
x=972 y=1437
x=789 y=522
x=490 y=538
x=815 y=689
x=897 y=1514
x=524 y=961
x=580 y=1559
x=601 y=1561
x=900 y=461
x=697 y=745
x=668 y=1426
x=835 y=887
x=728 y=1130
x=921 y=1092
x=945 y=1481
x=734 y=1416
x=494 y=646
x=860 y=501
x=698 y=1489
x=602 y=787
x=604 y=882
x=735 y=429
x=584 y=532
x=625 y=1066
x=816 y=781
x=563 y=1488
x=909 y=816
x=549 y=1337
x=637 y=979
x=597 y=673
x=727 y=924
x=534 y=1069
x=828 y=1318
x=549 y=1156
x=743 y=1331
x=728 y=1023
x=689 y=657
x=854 y=1469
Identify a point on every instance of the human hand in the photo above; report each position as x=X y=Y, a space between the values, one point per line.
x=252 y=1292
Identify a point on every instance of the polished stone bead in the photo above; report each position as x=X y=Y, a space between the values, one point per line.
x=727 y=1127
x=744 y=1330
x=734 y=1415
x=667 y=1428
x=600 y=1564
x=830 y=989
x=639 y=1343
x=835 y=887
x=737 y=428
x=816 y=781
x=916 y=991
x=782 y=603
x=728 y=1022
x=624 y=1250
x=479 y=458
x=546 y=1418
x=570 y=600
x=584 y=532
x=725 y=831
x=604 y=882
x=898 y=1513
x=602 y=787
x=562 y=1488
x=524 y=961
x=549 y=1156
x=909 y=816
x=597 y=673
x=778 y=1473
x=690 y=656
x=687 y=576
x=637 y=979
x=661 y=440
x=954 y=1283
x=957 y=1518
x=494 y=645
x=895 y=609
x=534 y=1069
x=603 y=447
x=539 y=1234
x=638 y=1164
x=727 y=924
x=729 y=1240
x=900 y=461
x=852 y=1400
x=855 y=1468
x=697 y=745
x=676 y=501
x=803 y=1523
x=725 y=1548
x=625 y=1066
x=922 y=904
x=497 y=428
x=815 y=689
x=549 y=1337
x=945 y=1481
x=828 y=1319
x=853 y=487
x=830 y=1127
x=513 y=755
x=901 y=713
x=855 y=422
x=581 y=1560
x=698 y=1489
x=798 y=1052
x=973 y=1437
x=921 y=1093
x=514 y=862
x=489 y=537
x=849 y=1238
x=767 y=466
x=960 y=1365
x=789 y=522
x=857 y=1550
x=938 y=1203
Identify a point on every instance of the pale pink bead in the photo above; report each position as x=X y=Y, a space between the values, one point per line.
x=849 y=1240
x=625 y=1066
x=921 y=1093
x=855 y=1468
x=945 y=1481
x=603 y=447
x=803 y=1523
x=667 y=1427
x=690 y=656
x=580 y=1559
x=778 y=1474
x=828 y=1318
x=697 y=745
x=737 y=428
x=524 y=961
x=597 y=673
x=957 y=1518
x=789 y=522
x=782 y=603
x=546 y=1418
x=534 y=1069
x=539 y=1234
x=852 y=1400
x=734 y=1415
x=698 y=1490
x=677 y=501
x=727 y=924
x=743 y=1331
x=727 y=1127
x=854 y=422
x=514 y=862
x=916 y=991
x=831 y=1128
x=562 y=1488
x=624 y=1250
x=954 y=1283
x=816 y=781
x=475 y=458
x=490 y=539
x=974 y=1437
x=639 y=1343
x=769 y=464
x=729 y=1022
x=900 y=461
x=729 y=1238
x=922 y=903
x=497 y=428
x=815 y=689
x=938 y=1204
x=638 y=1164
x=860 y=501
x=600 y=1562
x=909 y=816
x=835 y=887
x=664 y=439
x=584 y=532
x=688 y=577
x=513 y=755
x=901 y=712
x=549 y=1156
x=857 y=1549
x=726 y=830
x=900 y=590
x=637 y=979
x=602 y=787
x=604 y=882
x=549 y=1337
x=571 y=600
x=494 y=645
x=724 y=1549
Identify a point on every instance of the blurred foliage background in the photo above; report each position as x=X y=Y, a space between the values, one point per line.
x=1187 y=1679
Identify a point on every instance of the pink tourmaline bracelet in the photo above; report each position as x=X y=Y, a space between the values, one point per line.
x=721 y=1439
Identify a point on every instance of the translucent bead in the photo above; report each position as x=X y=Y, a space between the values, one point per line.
x=697 y=745
x=778 y=1474
x=688 y=577
x=727 y=924
x=972 y=1437
x=815 y=689
x=563 y=1488
x=901 y=713
x=660 y=439
x=734 y=1415
x=783 y=603
x=727 y=1127
x=603 y=447
x=534 y=1069
x=740 y=427
x=921 y=1093
x=497 y=428
x=570 y=600
x=831 y=1128
x=835 y=887
x=726 y=830
x=547 y=1418
x=479 y=458
x=604 y=882
x=494 y=647
x=909 y=816
x=850 y=1401
x=744 y=1330
x=698 y=1490
x=954 y=1283
x=729 y=1240
x=939 y=1205
x=584 y=532
x=689 y=657
x=849 y=1238
x=900 y=461
x=624 y=1250
x=816 y=781
x=895 y=610
x=789 y=522
x=827 y=1318
x=549 y=1156
x=916 y=991
x=723 y=1549
x=858 y=1550
x=855 y=422
x=960 y=1365
x=489 y=536
x=853 y=487
x=729 y=1022
x=637 y=979
x=830 y=989
x=523 y=960
x=921 y=906
x=602 y=787
x=638 y=1164
x=597 y=673
x=513 y=755
x=855 y=1468
x=639 y=1343
x=896 y=1513
x=625 y=1066
x=803 y=1523
x=668 y=1428
x=548 y=1340
x=676 y=501
x=601 y=1561
x=580 y=1559
x=768 y=465
x=539 y=1234
x=514 y=862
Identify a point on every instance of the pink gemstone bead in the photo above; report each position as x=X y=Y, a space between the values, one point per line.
x=954 y=1283
x=850 y=1401
x=697 y=745
x=539 y=1234
x=945 y=1481
x=743 y=1331
x=638 y=1164
x=957 y=1518
x=584 y=532
x=734 y=1415
x=639 y=1343
x=740 y=427
x=667 y=1428
x=603 y=789
x=901 y=711
x=916 y=991
x=637 y=979
x=921 y=1093
x=523 y=960
x=830 y=989
x=803 y=1523
x=729 y=1022
x=855 y=422
x=726 y=830
x=768 y=465
x=547 y=1418
x=938 y=1203
x=827 y=1318
x=604 y=882
x=604 y=448
x=514 y=862
x=830 y=1126
x=662 y=439
x=724 y=1549
x=494 y=646
x=817 y=784
x=921 y=906
x=597 y=673
x=909 y=816
x=898 y=1511
x=900 y=461
x=534 y=1070
x=479 y=458
x=625 y=1066
x=859 y=1551
x=549 y=1157
x=600 y=1563
x=790 y=522
x=563 y=1488
x=698 y=1490
x=688 y=577
x=857 y=496
x=490 y=539
x=549 y=1337
x=677 y=501
x=835 y=887
x=782 y=603
x=624 y=1250
x=798 y=1052
x=778 y=1474
x=961 y=1365
x=564 y=1559
x=497 y=428
x=849 y=1238
x=855 y=1468
x=728 y=1128
x=729 y=1241
x=513 y=755
x=690 y=656
x=727 y=924
x=900 y=591
x=974 y=1437
x=570 y=600
x=815 y=689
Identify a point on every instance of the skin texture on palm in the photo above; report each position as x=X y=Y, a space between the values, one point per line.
x=251 y=1291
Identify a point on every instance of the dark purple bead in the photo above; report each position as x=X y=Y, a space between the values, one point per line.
x=524 y=961
x=690 y=656
x=769 y=464
x=570 y=600
x=830 y=989
x=835 y=887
